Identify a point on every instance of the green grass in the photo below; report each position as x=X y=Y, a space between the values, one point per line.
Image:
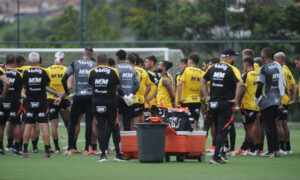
x=78 y=166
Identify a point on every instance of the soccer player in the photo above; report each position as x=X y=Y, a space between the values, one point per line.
x=288 y=99
x=249 y=110
x=105 y=82
x=35 y=80
x=111 y=62
x=56 y=72
x=145 y=87
x=270 y=88
x=151 y=101
x=249 y=53
x=225 y=92
x=82 y=101
x=129 y=85
x=4 y=85
x=189 y=88
x=182 y=66
x=258 y=61
x=205 y=65
x=165 y=94
x=10 y=107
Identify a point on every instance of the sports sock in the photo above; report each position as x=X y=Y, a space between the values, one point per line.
x=17 y=146
x=10 y=141
x=75 y=143
x=261 y=147
x=37 y=140
x=252 y=147
x=243 y=145
x=214 y=143
x=25 y=148
x=55 y=141
x=281 y=145
x=1 y=145
x=34 y=145
x=94 y=147
x=47 y=147
x=288 y=146
x=226 y=144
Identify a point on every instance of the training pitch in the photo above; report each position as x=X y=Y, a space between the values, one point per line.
x=78 y=166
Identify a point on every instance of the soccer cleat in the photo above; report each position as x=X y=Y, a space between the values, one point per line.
x=15 y=152
x=85 y=153
x=231 y=153
x=102 y=158
x=120 y=158
x=76 y=150
x=25 y=155
x=210 y=154
x=289 y=152
x=252 y=153
x=51 y=151
x=226 y=149
x=217 y=161
x=57 y=151
x=9 y=148
x=238 y=151
x=243 y=153
x=2 y=152
x=268 y=154
x=223 y=158
x=35 y=151
x=282 y=152
x=47 y=155
x=261 y=152
x=211 y=149
x=70 y=152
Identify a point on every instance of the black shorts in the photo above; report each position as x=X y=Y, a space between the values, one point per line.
x=104 y=111
x=10 y=110
x=136 y=109
x=36 y=111
x=147 y=112
x=248 y=116
x=222 y=115
x=141 y=108
x=54 y=110
x=194 y=109
x=283 y=113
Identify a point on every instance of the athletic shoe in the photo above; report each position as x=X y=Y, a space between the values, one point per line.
x=210 y=154
x=47 y=155
x=85 y=153
x=70 y=152
x=223 y=158
x=120 y=158
x=15 y=152
x=9 y=148
x=35 y=151
x=282 y=152
x=51 y=151
x=243 y=153
x=217 y=161
x=252 y=153
x=289 y=152
x=261 y=152
x=102 y=158
x=112 y=148
x=65 y=148
x=2 y=152
x=25 y=155
x=231 y=153
x=226 y=149
x=57 y=151
x=95 y=152
x=211 y=149
x=238 y=151
x=76 y=151
x=268 y=154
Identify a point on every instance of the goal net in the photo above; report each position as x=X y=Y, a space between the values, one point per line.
x=72 y=54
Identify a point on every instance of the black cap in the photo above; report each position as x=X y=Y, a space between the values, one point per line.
x=229 y=52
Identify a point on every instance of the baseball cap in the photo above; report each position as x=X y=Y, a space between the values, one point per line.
x=229 y=52
x=58 y=56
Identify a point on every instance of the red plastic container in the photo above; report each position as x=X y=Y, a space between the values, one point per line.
x=129 y=144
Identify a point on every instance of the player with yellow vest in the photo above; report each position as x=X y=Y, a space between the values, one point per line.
x=249 y=109
x=249 y=53
x=144 y=89
x=182 y=66
x=288 y=98
x=165 y=94
x=189 y=88
x=56 y=72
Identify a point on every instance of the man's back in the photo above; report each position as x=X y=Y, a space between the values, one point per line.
x=56 y=72
x=81 y=69
x=269 y=76
x=15 y=84
x=128 y=78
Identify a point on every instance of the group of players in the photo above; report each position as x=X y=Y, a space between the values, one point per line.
x=32 y=95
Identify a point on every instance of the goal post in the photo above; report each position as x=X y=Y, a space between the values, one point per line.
x=72 y=54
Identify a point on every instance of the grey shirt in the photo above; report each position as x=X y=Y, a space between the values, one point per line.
x=269 y=75
x=81 y=69
x=129 y=82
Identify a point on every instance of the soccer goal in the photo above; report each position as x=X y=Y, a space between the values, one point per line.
x=72 y=54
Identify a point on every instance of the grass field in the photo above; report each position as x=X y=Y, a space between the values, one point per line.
x=78 y=166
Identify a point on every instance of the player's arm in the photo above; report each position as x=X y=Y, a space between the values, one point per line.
x=147 y=90
x=149 y=98
x=65 y=78
x=5 y=82
x=294 y=93
x=168 y=84
x=52 y=91
x=204 y=86
x=136 y=84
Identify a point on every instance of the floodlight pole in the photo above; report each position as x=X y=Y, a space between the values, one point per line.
x=81 y=22
x=157 y=23
x=226 y=24
x=86 y=21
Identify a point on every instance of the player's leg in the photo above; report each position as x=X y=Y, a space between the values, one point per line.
x=44 y=125
x=29 y=124
x=10 y=136
x=65 y=115
x=88 y=124
x=16 y=122
x=141 y=113
x=135 y=116
x=33 y=138
x=287 y=137
x=53 y=117
x=94 y=138
x=232 y=137
x=2 y=126
x=280 y=130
